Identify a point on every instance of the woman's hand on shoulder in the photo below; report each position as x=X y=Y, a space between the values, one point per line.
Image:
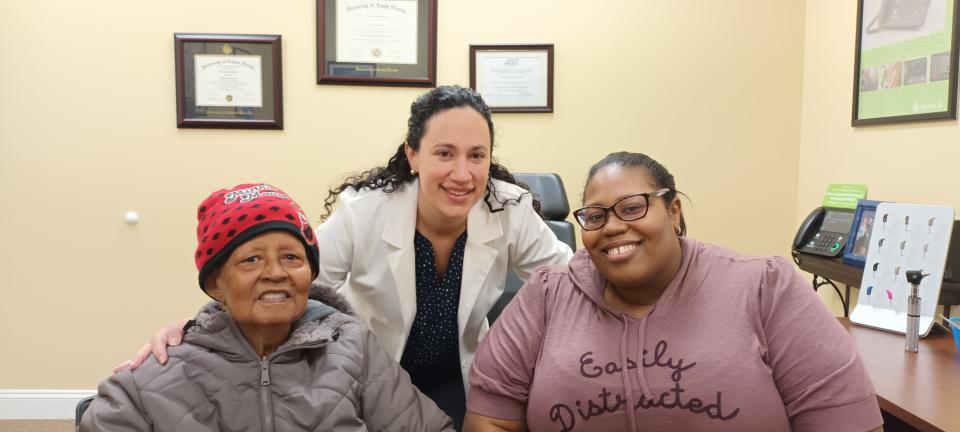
x=170 y=334
x=474 y=422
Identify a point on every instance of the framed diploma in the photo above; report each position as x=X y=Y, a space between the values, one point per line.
x=513 y=78
x=905 y=64
x=377 y=42
x=228 y=81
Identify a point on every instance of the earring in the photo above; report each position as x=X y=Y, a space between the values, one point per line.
x=677 y=230
x=413 y=172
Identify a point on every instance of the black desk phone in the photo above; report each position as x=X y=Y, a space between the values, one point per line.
x=824 y=231
x=900 y=14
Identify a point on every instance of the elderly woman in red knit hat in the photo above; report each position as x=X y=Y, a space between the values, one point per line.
x=264 y=357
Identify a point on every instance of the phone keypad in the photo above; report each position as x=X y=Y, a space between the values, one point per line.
x=910 y=9
x=904 y=14
x=825 y=243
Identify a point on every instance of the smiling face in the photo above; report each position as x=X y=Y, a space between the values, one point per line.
x=453 y=163
x=643 y=254
x=264 y=282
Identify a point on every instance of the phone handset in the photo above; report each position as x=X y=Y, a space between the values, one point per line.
x=809 y=225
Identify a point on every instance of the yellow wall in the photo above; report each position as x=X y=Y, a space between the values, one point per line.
x=831 y=151
x=87 y=132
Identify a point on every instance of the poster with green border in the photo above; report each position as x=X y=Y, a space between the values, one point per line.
x=906 y=61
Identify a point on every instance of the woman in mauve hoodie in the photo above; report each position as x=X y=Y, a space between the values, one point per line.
x=646 y=329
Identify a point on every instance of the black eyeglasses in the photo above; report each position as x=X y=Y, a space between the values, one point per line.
x=628 y=208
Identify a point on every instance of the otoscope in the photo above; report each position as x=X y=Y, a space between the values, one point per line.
x=913 y=310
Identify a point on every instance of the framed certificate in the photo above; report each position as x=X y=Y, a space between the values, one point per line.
x=377 y=42
x=228 y=81
x=513 y=78
x=905 y=66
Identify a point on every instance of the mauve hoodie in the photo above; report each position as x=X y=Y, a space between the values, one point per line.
x=735 y=343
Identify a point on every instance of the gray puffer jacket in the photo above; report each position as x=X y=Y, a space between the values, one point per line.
x=330 y=375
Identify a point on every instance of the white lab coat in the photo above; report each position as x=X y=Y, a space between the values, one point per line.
x=367 y=254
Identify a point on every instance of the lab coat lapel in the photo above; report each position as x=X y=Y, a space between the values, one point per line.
x=398 y=235
x=478 y=258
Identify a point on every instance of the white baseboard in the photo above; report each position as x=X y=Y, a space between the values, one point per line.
x=40 y=404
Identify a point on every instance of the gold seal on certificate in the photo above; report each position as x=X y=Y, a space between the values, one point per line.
x=227 y=49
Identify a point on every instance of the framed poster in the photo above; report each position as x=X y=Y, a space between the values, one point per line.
x=228 y=81
x=377 y=42
x=905 y=66
x=513 y=78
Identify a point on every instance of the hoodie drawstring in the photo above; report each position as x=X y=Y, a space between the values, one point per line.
x=644 y=387
x=631 y=415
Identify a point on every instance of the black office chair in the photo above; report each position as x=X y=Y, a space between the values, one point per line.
x=548 y=188
x=82 y=407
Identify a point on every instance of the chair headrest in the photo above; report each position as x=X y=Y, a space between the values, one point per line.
x=548 y=188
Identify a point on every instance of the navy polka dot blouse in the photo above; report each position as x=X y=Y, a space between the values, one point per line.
x=432 y=353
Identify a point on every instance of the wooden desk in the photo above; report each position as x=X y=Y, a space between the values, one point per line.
x=922 y=389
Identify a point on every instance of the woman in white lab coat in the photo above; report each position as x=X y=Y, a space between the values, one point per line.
x=421 y=247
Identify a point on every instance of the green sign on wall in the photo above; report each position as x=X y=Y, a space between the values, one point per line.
x=844 y=195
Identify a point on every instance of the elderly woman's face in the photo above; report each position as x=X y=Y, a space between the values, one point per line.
x=265 y=281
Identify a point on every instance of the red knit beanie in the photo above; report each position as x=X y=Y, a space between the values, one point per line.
x=230 y=217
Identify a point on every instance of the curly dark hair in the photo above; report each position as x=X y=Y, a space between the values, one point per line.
x=396 y=174
x=658 y=174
